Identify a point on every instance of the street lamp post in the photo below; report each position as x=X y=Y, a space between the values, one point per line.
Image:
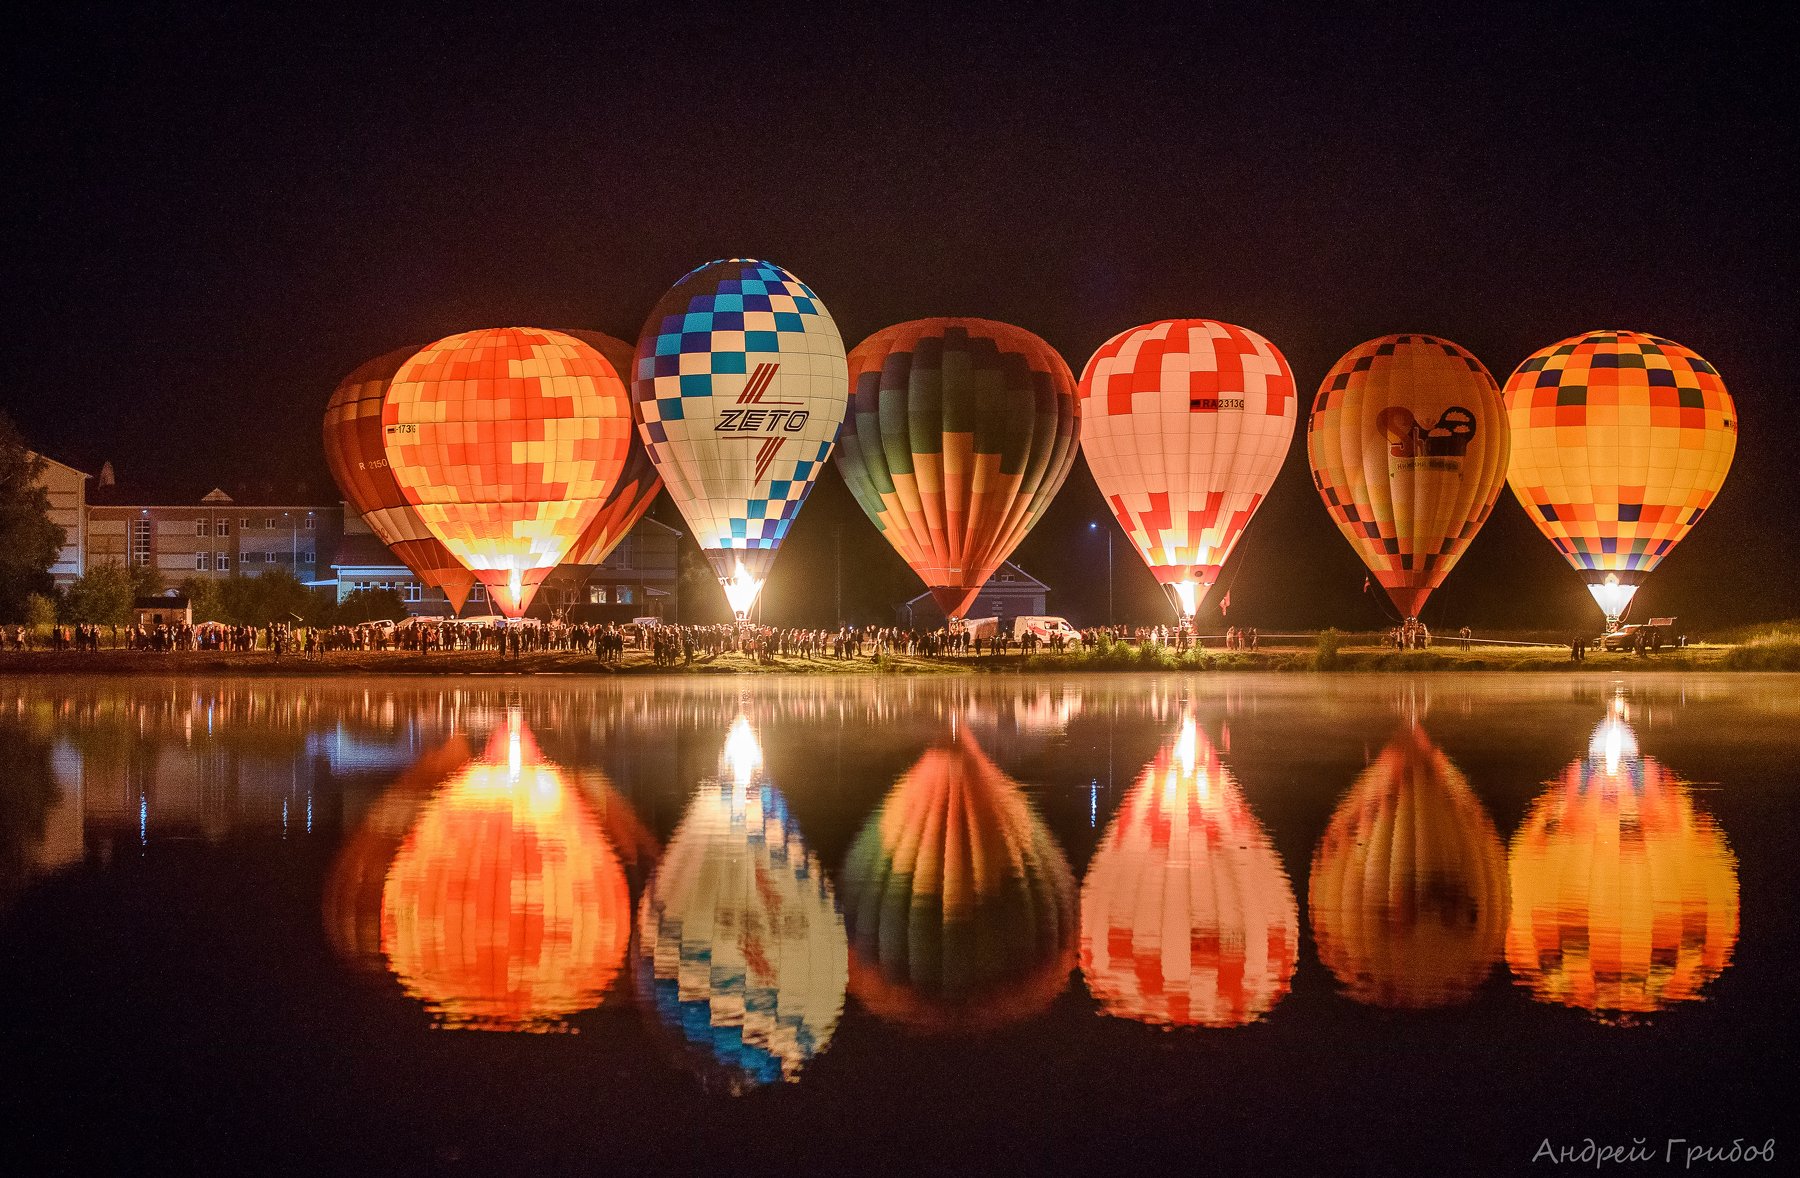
x=1094 y=526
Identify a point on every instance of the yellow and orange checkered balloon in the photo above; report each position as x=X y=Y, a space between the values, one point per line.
x=1625 y=894
x=507 y=441
x=1621 y=442
x=1408 y=444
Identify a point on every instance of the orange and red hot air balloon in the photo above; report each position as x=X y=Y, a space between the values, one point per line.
x=507 y=441
x=1621 y=441
x=1408 y=442
x=958 y=435
x=357 y=455
x=1185 y=424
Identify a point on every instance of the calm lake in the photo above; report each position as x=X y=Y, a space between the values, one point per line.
x=1090 y=924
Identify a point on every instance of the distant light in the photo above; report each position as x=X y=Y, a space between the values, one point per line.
x=1092 y=525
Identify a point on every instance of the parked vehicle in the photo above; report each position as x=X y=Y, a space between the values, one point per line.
x=978 y=629
x=1045 y=628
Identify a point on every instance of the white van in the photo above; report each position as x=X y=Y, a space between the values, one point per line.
x=1046 y=628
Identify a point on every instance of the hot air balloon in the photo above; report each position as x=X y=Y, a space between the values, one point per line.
x=739 y=392
x=741 y=950
x=637 y=485
x=1621 y=441
x=1625 y=895
x=1408 y=443
x=507 y=441
x=506 y=908
x=1408 y=893
x=1185 y=424
x=1187 y=917
x=959 y=434
x=960 y=905
x=357 y=455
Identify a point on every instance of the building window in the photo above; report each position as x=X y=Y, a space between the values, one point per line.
x=306 y=558
x=412 y=591
x=597 y=595
x=271 y=557
x=222 y=527
x=311 y=523
x=140 y=541
x=202 y=562
x=269 y=522
x=202 y=527
x=224 y=563
x=244 y=522
x=625 y=594
x=478 y=592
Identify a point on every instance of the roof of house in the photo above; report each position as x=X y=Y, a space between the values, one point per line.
x=1008 y=578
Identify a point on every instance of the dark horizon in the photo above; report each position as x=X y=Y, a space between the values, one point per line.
x=215 y=217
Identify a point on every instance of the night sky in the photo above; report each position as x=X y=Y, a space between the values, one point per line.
x=211 y=216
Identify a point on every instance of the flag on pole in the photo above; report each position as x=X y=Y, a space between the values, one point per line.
x=1365 y=584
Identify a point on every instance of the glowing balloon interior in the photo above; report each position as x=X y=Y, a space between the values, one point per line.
x=506 y=908
x=1185 y=424
x=741 y=950
x=740 y=390
x=1187 y=916
x=637 y=485
x=960 y=433
x=1408 y=442
x=1621 y=441
x=507 y=441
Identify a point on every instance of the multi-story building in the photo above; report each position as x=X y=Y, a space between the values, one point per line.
x=1010 y=593
x=214 y=535
x=639 y=578
x=67 y=489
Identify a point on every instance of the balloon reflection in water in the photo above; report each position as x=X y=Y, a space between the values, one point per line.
x=740 y=945
x=1408 y=894
x=1187 y=917
x=506 y=908
x=1625 y=897
x=961 y=907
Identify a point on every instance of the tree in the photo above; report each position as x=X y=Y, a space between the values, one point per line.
x=370 y=605
x=204 y=598
x=104 y=595
x=40 y=611
x=29 y=540
x=275 y=596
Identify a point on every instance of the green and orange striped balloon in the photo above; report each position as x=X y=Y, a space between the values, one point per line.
x=958 y=436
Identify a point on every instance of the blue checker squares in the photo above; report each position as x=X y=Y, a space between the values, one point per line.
x=788 y=321
x=805 y=304
x=762 y=341
x=668 y=343
x=669 y=365
x=669 y=409
x=697 y=321
x=757 y=508
x=738 y=530
x=779 y=489
x=724 y=320
x=656 y=431
x=756 y=302
x=802 y=472
x=696 y=384
x=723 y=362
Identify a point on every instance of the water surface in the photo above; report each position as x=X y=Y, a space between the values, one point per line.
x=1346 y=924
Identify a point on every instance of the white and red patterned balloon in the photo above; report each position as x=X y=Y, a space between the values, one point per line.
x=1185 y=424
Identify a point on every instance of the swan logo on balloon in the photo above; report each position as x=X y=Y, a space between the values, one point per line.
x=1408 y=442
x=1621 y=442
x=1185 y=424
x=959 y=434
x=740 y=390
x=507 y=441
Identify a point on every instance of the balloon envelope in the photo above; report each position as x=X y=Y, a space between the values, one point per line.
x=631 y=495
x=1620 y=442
x=739 y=391
x=741 y=950
x=506 y=908
x=960 y=905
x=357 y=455
x=1408 y=894
x=959 y=434
x=1625 y=895
x=507 y=440
x=1185 y=424
x=1408 y=442
x=1187 y=916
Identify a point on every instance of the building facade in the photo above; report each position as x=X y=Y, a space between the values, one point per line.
x=67 y=490
x=1010 y=593
x=215 y=536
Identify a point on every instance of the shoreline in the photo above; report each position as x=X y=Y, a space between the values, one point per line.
x=1290 y=660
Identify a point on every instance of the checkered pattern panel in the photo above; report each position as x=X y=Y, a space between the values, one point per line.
x=1621 y=441
x=740 y=389
x=1185 y=424
x=1408 y=443
x=506 y=441
x=637 y=484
